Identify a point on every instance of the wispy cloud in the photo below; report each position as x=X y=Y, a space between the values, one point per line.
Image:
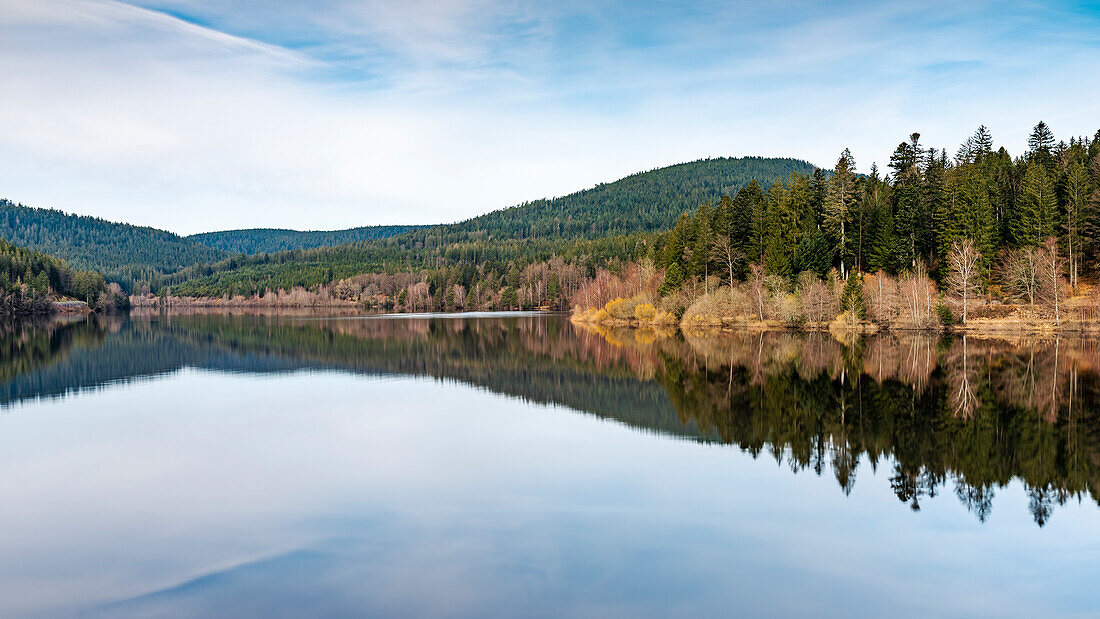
x=202 y=114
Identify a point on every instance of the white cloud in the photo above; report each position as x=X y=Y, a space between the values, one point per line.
x=351 y=113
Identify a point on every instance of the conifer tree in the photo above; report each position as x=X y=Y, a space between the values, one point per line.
x=1035 y=212
x=761 y=224
x=1077 y=191
x=700 y=265
x=746 y=204
x=907 y=199
x=1040 y=142
x=839 y=198
x=983 y=143
x=781 y=231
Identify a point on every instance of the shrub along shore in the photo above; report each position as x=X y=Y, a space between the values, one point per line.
x=860 y=303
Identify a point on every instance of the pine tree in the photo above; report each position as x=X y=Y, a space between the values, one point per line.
x=983 y=143
x=976 y=221
x=875 y=222
x=1040 y=146
x=761 y=223
x=813 y=253
x=744 y=208
x=784 y=231
x=676 y=242
x=839 y=198
x=700 y=265
x=851 y=297
x=1077 y=191
x=723 y=217
x=1036 y=209
x=1004 y=183
x=907 y=199
x=936 y=200
x=553 y=290
x=1090 y=219
x=674 y=278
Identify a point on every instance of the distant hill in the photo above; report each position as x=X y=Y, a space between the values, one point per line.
x=268 y=240
x=606 y=221
x=644 y=202
x=122 y=252
x=602 y=221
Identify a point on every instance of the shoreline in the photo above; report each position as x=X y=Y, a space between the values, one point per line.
x=978 y=326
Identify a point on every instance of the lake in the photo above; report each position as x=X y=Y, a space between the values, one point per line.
x=518 y=465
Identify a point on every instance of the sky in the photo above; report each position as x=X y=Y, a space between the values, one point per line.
x=198 y=115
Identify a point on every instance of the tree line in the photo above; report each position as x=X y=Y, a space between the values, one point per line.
x=917 y=211
x=30 y=280
x=271 y=240
x=122 y=253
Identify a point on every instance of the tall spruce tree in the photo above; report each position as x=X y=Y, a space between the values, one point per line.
x=742 y=218
x=1076 y=206
x=840 y=198
x=1035 y=213
x=1041 y=146
x=908 y=199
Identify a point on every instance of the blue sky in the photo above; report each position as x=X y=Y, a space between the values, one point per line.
x=203 y=114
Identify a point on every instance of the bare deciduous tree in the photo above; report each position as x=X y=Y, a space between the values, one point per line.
x=1051 y=266
x=962 y=378
x=818 y=303
x=962 y=278
x=918 y=294
x=1021 y=274
x=726 y=251
x=758 y=288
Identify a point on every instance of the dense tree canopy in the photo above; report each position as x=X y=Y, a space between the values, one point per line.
x=915 y=213
x=28 y=280
x=271 y=240
x=121 y=252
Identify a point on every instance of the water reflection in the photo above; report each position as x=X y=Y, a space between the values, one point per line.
x=954 y=415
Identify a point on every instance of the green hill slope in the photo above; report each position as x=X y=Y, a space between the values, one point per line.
x=122 y=252
x=644 y=202
x=268 y=240
x=609 y=220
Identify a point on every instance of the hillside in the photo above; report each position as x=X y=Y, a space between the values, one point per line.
x=269 y=240
x=29 y=280
x=609 y=221
x=121 y=252
x=644 y=202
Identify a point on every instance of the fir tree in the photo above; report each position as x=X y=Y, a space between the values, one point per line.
x=839 y=198
x=1035 y=212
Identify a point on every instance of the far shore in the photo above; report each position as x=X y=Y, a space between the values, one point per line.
x=1018 y=320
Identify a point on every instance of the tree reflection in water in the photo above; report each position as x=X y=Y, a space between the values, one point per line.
x=972 y=413
x=968 y=413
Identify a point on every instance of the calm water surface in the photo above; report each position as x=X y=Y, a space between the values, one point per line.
x=520 y=466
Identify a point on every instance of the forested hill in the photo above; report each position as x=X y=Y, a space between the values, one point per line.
x=270 y=240
x=609 y=221
x=122 y=252
x=643 y=202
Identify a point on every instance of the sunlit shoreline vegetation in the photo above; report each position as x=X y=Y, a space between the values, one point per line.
x=980 y=241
